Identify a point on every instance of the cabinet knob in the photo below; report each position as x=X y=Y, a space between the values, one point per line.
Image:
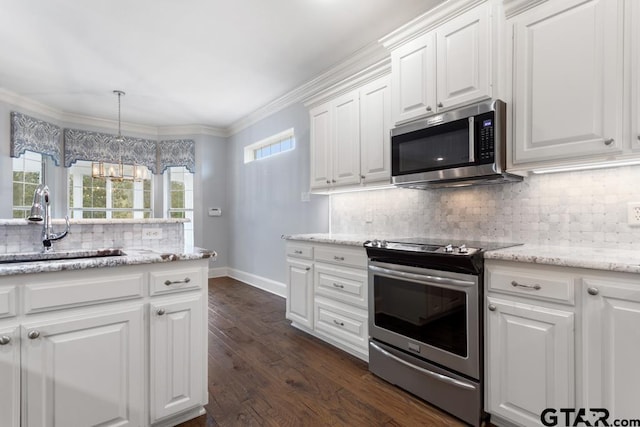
x=492 y=307
x=333 y=180
x=440 y=105
x=593 y=291
x=4 y=340
x=362 y=176
x=429 y=108
x=608 y=141
x=33 y=334
x=308 y=268
x=328 y=182
x=160 y=311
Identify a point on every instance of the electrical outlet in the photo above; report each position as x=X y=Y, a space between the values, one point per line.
x=633 y=213
x=151 y=233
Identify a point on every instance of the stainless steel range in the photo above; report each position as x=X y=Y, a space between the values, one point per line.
x=425 y=320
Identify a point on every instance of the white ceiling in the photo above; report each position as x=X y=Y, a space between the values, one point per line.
x=182 y=62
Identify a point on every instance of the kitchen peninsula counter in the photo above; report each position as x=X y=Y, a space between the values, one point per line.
x=133 y=256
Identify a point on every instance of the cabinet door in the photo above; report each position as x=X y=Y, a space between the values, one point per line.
x=320 y=146
x=567 y=84
x=300 y=292
x=635 y=73
x=530 y=360
x=177 y=356
x=84 y=371
x=346 y=139
x=375 y=127
x=413 y=68
x=10 y=374
x=463 y=58
x=611 y=339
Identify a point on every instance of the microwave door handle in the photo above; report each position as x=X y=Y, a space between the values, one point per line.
x=420 y=277
x=472 y=155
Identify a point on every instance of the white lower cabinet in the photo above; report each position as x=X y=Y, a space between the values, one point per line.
x=611 y=346
x=327 y=294
x=10 y=375
x=530 y=359
x=176 y=355
x=84 y=371
x=300 y=292
x=90 y=347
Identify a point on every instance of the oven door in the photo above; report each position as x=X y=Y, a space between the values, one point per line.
x=431 y=314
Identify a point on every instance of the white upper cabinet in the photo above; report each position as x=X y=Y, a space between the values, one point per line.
x=350 y=137
x=463 y=58
x=635 y=74
x=375 y=127
x=346 y=140
x=567 y=80
x=414 y=78
x=447 y=67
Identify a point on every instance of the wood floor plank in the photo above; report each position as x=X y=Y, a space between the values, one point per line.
x=263 y=371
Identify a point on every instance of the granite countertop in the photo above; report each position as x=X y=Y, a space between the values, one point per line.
x=130 y=257
x=606 y=259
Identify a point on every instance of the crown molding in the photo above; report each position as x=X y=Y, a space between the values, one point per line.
x=182 y=130
x=427 y=21
x=32 y=106
x=516 y=7
x=365 y=57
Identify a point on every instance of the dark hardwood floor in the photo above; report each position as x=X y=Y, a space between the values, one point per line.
x=262 y=371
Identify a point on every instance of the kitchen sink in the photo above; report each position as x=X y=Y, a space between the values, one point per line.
x=12 y=258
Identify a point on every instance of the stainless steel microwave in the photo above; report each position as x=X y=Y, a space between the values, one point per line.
x=456 y=148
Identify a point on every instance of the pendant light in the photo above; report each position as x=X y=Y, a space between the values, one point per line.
x=118 y=171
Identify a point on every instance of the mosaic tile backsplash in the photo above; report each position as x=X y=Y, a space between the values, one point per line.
x=21 y=236
x=587 y=208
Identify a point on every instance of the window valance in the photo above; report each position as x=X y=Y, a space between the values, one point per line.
x=180 y=152
x=29 y=133
x=102 y=147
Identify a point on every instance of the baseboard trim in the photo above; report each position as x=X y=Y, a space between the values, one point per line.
x=218 y=272
x=276 y=288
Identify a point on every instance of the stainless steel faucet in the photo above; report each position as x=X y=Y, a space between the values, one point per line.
x=41 y=211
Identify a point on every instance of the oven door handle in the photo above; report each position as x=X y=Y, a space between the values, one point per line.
x=435 y=375
x=421 y=277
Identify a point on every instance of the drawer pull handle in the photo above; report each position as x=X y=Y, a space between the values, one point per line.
x=4 y=340
x=338 y=323
x=535 y=287
x=170 y=282
x=160 y=311
x=338 y=258
x=593 y=291
x=492 y=307
x=297 y=252
x=338 y=285
x=33 y=334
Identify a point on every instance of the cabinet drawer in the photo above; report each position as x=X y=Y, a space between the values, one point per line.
x=352 y=257
x=74 y=290
x=345 y=324
x=300 y=251
x=163 y=282
x=7 y=301
x=347 y=285
x=544 y=283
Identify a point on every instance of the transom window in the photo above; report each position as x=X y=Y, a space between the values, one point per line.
x=105 y=198
x=28 y=172
x=276 y=144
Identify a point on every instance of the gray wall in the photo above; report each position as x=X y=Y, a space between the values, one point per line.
x=265 y=196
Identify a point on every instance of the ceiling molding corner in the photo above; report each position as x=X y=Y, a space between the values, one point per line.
x=371 y=54
x=183 y=130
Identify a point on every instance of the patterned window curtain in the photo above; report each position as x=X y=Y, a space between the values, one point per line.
x=29 y=133
x=102 y=147
x=180 y=152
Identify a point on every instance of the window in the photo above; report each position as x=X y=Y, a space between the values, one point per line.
x=180 y=198
x=99 y=198
x=284 y=141
x=28 y=171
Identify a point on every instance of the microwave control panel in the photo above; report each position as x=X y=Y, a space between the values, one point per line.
x=486 y=146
